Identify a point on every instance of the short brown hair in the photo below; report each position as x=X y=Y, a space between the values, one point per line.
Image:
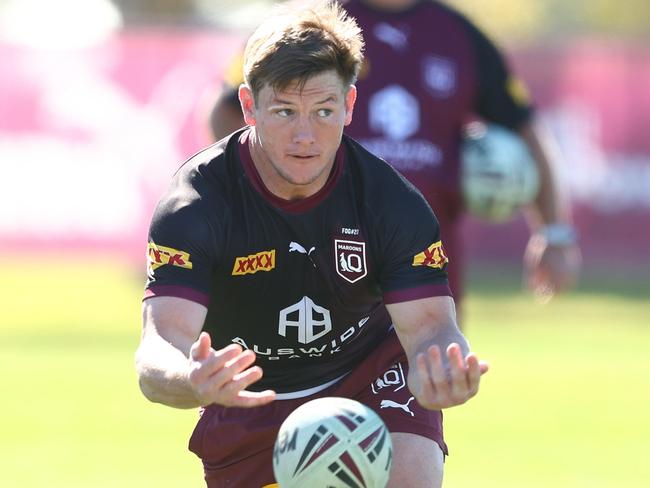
x=300 y=42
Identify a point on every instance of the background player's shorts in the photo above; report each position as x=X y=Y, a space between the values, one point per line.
x=236 y=444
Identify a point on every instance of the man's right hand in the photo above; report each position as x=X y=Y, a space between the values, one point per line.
x=222 y=376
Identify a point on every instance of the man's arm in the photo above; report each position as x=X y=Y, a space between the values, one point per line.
x=177 y=366
x=552 y=258
x=442 y=370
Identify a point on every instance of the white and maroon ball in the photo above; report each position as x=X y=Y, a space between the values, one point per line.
x=332 y=442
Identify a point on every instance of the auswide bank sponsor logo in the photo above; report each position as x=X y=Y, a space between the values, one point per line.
x=306 y=322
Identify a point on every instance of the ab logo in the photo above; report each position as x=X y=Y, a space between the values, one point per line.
x=310 y=321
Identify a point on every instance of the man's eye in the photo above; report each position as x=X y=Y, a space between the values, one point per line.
x=324 y=112
x=284 y=112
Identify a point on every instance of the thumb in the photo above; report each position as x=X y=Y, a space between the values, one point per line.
x=201 y=348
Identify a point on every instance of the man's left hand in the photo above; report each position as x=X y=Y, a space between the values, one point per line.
x=438 y=384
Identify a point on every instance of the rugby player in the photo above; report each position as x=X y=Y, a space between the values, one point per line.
x=287 y=263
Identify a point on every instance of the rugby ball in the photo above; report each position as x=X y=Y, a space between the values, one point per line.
x=498 y=173
x=332 y=442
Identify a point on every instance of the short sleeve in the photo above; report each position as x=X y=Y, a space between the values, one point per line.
x=501 y=97
x=413 y=263
x=181 y=250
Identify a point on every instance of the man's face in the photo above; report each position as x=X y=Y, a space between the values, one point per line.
x=297 y=132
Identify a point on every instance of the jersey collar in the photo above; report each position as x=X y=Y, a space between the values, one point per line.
x=291 y=206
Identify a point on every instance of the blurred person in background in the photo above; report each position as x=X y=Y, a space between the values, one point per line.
x=429 y=71
x=280 y=272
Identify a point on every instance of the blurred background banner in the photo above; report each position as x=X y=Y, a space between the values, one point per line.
x=90 y=134
x=594 y=98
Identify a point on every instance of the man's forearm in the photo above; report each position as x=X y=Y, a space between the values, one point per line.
x=422 y=324
x=441 y=336
x=550 y=206
x=163 y=374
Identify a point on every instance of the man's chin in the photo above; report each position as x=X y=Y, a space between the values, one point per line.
x=302 y=181
x=299 y=174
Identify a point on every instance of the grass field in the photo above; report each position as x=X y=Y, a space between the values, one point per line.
x=565 y=404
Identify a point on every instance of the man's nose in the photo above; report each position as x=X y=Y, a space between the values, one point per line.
x=303 y=131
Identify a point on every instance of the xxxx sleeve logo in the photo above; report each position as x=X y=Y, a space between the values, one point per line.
x=160 y=255
x=261 y=261
x=433 y=256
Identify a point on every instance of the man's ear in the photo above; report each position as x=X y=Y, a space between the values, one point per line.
x=350 y=98
x=247 y=104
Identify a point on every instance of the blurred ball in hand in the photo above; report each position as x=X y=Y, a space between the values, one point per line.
x=498 y=173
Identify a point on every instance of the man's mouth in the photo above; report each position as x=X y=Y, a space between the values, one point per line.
x=303 y=156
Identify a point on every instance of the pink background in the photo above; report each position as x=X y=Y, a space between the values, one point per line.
x=90 y=138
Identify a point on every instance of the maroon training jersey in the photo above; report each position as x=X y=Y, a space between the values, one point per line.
x=427 y=71
x=301 y=283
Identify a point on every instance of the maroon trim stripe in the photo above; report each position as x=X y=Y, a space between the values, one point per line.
x=178 y=292
x=409 y=294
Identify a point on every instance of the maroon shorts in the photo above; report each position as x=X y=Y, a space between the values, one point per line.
x=236 y=444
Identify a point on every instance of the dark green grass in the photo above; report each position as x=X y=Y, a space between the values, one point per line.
x=565 y=404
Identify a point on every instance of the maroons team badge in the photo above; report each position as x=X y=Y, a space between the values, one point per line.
x=350 y=259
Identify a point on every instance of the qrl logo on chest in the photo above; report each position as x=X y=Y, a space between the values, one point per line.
x=350 y=257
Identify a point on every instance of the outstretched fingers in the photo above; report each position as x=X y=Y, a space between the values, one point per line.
x=204 y=367
x=222 y=376
x=475 y=369
x=236 y=387
x=447 y=383
x=227 y=366
x=433 y=384
x=458 y=372
x=427 y=390
x=439 y=376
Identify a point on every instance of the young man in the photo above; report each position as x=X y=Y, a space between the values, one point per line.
x=427 y=71
x=288 y=263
